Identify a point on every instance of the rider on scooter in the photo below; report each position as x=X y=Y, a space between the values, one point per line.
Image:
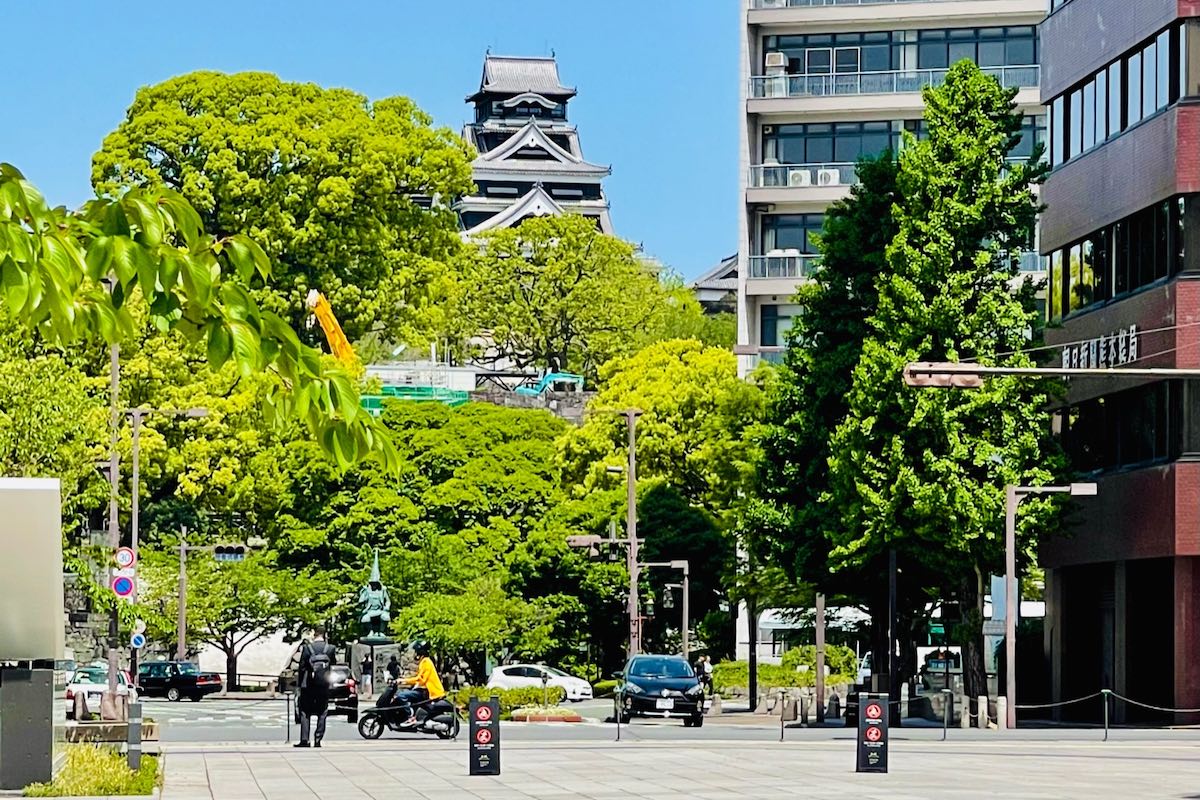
x=425 y=686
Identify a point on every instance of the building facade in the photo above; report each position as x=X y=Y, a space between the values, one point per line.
x=826 y=82
x=1121 y=231
x=530 y=162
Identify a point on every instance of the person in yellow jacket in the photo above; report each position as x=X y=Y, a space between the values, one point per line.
x=426 y=685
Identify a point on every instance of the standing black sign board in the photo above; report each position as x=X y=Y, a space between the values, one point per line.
x=872 y=733
x=485 y=736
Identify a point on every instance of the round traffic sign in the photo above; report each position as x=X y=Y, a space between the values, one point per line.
x=874 y=711
x=139 y=626
x=483 y=713
x=137 y=641
x=126 y=558
x=874 y=733
x=483 y=735
x=122 y=586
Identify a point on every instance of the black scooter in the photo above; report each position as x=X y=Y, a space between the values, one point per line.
x=433 y=717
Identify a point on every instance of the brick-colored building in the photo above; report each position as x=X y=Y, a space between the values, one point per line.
x=1121 y=83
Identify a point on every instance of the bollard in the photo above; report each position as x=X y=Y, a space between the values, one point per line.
x=288 y=714
x=984 y=716
x=904 y=700
x=947 y=711
x=1002 y=713
x=964 y=720
x=1104 y=693
x=133 y=738
x=714 y=705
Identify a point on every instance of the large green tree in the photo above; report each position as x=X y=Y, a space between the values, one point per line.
x=920 y=471
x=345 y=195
x=557 y=294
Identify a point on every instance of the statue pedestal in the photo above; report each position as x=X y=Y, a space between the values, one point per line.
x=375 y=640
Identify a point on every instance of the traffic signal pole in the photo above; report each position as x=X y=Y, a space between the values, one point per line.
x=181 y=620
x=635 y=622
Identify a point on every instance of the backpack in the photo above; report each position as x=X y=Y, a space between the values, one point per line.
x=319 y=661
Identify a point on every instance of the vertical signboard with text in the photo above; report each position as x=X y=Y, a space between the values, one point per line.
x=485 y=736
x=872 y=733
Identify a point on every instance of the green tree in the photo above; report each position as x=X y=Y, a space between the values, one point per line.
x=337 y=189
x=686 y=319
x=919 y=471
x=697 y=431
x=71 y=276
x=557 y=294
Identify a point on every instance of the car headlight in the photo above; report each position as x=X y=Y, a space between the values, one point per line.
x=695 y=691
x=633 y=688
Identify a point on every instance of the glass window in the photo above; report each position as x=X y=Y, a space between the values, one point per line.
x=1075 y=121
x=876 y=58
x=932 y=55
x=1114 y=99
x=992 y=54
x=1121 y=257
x=1074 y=276
x=1149 y=79
x=1087 y=276
x=1057 y=132
x=1089 y=116
x=1133 y=77
x=1019 y=50
x=1101 y=106
x=1162 y=240
x=1056 y=286
x=1163 y=70
x=846 y=59
x=1101 y=267
x=1184 y=91
x=791 y=232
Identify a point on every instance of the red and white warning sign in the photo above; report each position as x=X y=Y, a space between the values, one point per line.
x=125 y=557
x=874 y=733
x=483 y=713
x=874 y=711
x=483 y=736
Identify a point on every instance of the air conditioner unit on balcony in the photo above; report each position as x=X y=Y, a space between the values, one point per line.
x=828 y=177
x=776 y=63
x=799 y=177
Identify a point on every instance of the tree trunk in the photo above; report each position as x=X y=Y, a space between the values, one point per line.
x=231 y=660
x=974 y=670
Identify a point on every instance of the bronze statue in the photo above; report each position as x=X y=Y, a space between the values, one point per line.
x=376 y=607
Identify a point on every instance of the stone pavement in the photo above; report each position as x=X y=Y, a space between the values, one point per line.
x=1042 y=770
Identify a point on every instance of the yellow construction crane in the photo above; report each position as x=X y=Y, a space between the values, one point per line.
x=338 y=343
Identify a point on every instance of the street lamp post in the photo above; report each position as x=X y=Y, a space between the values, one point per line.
x=635 y=622
x=1013 y=495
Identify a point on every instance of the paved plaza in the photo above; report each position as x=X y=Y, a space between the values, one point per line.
x=1165 y=766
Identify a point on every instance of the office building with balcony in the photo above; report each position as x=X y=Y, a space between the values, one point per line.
x=1121 y=81
x=827 y=81
x=530 y=162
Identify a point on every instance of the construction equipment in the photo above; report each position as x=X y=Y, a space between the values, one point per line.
x=339 y=345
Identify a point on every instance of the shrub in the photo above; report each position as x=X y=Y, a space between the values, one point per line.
x=604 y=688
x=733 y=674
x=839 y=659
x=511 y=699
x=91 y=771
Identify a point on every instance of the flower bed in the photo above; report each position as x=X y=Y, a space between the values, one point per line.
x=545 y=714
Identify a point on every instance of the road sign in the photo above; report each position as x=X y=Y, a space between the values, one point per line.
x=993 y=627
x=122 y=586
x=139 y=626
x=137 y=641
x=485 y=736
x=872 y=733
x=125 y=557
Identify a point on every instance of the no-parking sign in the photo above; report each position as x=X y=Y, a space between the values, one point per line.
x=122 y=586
x=485 y=736
x=872 y=733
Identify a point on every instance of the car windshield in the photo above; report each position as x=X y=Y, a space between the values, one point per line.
x=187 y=668
x=95 y=675
x=660 y=668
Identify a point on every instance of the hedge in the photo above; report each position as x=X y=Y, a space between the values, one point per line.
x=736 y=674
x=511 y=699
x=604 y=688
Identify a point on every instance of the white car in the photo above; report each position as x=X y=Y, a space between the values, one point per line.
x=521 y=676
x=92 y=683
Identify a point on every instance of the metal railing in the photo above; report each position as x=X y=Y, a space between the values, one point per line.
x=802 y=175
x=782 y=266
x=771 y=4
x=891 y=82
x=1033 y=262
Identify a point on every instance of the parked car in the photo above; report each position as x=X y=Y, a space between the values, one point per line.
x=92 y=682
x=343 y=690
x=519 y=676
x=659 y=686
x=176 y=680
x=864 y=669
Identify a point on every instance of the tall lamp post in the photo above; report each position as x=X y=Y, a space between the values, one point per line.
x=635 y=622
x=1013 y=495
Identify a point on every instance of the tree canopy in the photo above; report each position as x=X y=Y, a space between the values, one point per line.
x=557 y=294
x=340 y=192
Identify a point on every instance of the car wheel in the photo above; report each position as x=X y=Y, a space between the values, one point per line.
x=370 y=726
x=697 y=721
x=195 y=698
x=173 y=694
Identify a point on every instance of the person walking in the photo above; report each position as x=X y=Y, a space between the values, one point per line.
x=393 y=667
x=316 y=664
x=366 y=679
x=708 y=675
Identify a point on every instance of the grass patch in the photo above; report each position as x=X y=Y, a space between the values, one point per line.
x=92 y=771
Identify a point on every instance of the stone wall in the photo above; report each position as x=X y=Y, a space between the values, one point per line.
x=566 y=405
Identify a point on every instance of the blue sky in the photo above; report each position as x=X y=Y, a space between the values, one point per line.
x=657 y=84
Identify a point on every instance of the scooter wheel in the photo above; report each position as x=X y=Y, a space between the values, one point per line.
x=370 y=726
x=453 y=732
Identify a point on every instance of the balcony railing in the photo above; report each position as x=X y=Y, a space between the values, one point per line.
x=782 y=266
x=1033 y=262
x=802 y=175
x=893 y=82
x=817 y=3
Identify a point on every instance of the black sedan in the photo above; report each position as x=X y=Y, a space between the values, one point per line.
x=176 y=680
x=660 y=686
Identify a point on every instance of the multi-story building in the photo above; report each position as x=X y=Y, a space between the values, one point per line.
x=827 y=81
x=530 y=162
x=1122 y=232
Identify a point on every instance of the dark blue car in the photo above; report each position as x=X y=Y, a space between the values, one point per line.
x=660 y=686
